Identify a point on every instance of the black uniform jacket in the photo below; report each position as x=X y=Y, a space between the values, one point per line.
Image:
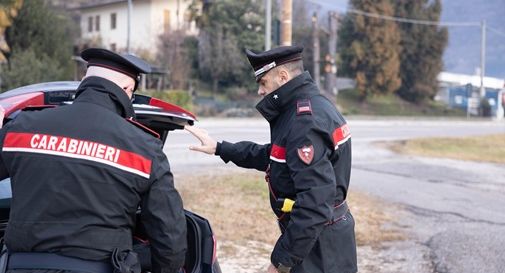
x=308 y=160
x=79 y=173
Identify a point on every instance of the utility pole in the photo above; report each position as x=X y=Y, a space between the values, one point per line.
x=482 y=58
x=331 y=67
x=129 y=26
x=286 y=22
x=315 y=44
x=177 y=14
x=268 y=24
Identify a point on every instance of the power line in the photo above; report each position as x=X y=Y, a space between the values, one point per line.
x=411 y=21
x=401 y=19
x=415 y=21
x=496 y=31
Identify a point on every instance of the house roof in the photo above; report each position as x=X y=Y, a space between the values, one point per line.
x=474 y=80
x=100 y=4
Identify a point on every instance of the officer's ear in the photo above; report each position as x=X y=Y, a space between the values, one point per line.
x=129 y=90
x=129 y=86
x=283 y=76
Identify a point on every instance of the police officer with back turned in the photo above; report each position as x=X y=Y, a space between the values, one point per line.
x=80 y=172
x=307 y=162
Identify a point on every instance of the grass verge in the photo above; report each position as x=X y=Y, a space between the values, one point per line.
x=391 y=105
x=490 y=148
x=238 y=208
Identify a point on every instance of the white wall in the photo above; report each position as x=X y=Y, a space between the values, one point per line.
x=106 y=35
x=147 y=23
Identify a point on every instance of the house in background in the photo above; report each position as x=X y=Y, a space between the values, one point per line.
x=106 y=24
x=463 y=91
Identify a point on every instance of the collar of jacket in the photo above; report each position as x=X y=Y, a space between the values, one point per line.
x=105 y=93
x=276 y=102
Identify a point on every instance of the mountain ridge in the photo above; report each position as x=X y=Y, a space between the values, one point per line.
x=463 y=51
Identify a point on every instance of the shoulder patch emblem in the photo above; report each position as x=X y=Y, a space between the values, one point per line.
x=303 y=107
x=306 y=154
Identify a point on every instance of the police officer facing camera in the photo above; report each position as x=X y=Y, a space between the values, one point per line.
x=79 y=174
x=308 y=161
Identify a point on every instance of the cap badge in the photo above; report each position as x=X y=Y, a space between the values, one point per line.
x=265 y=68
x=306 y=154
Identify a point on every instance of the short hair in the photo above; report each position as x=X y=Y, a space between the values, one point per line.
x=294 y=67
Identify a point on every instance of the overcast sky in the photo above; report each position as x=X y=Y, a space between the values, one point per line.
x=340 y=5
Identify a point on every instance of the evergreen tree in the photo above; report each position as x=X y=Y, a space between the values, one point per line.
x=40 y=41
x=422 y=49
x=227 y=27
x=370 y=48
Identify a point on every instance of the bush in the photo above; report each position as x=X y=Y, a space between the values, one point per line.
x=236 y=93
x=40 y=39
x=28 y=68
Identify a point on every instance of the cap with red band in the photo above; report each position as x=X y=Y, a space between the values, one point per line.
x=262 y=62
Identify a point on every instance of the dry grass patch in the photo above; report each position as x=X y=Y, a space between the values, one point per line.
x=236 y=205
x=238 y=208
x=490 y=148
x=374 y=221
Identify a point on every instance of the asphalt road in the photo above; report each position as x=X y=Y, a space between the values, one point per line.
x=453 y=211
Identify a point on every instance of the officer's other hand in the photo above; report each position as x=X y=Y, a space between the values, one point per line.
x=208 y=143
x=272 y=269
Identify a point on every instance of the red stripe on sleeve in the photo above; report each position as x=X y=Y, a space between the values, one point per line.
x=134 y=161
x=341 y=135
x=278 y=153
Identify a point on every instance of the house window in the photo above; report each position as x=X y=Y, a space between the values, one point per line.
x=113 y=47
x=113 y=17
x=97 y=23
x=166 y=20
x=90 y=24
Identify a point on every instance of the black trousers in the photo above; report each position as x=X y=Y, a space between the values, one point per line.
x=334 y=250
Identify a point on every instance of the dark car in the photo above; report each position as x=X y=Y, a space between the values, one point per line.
x=156 y=114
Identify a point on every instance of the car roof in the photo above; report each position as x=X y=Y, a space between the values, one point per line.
x=42 y=87
x=157 y=115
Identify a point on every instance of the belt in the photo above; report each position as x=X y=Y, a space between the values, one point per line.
x=38 y=260
x=339 y=213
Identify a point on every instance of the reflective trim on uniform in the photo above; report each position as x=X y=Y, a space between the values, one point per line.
x=78 y=149
x=341 y=135
x=278 y=154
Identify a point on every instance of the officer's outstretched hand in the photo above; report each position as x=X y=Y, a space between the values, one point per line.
x=208 y=143
x=272 y=269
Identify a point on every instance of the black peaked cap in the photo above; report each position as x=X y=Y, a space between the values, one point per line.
x=262 y=62
x=124 y=63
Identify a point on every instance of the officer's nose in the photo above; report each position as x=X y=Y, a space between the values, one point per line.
x=260 y=91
